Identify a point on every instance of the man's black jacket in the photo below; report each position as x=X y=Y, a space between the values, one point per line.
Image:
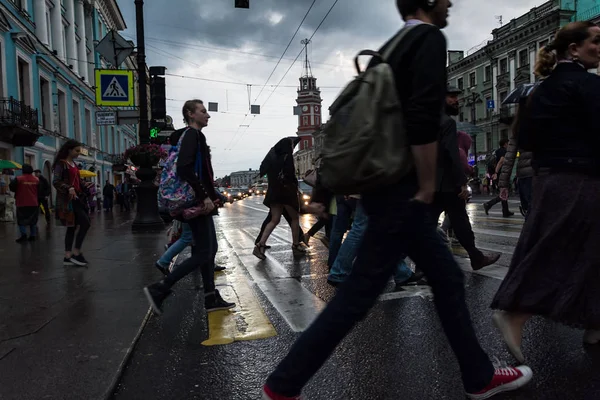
x=450 y=173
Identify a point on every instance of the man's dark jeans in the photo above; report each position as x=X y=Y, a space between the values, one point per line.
x=341 y=223
x=455 y=209
x=397 y=226
x=203 y=254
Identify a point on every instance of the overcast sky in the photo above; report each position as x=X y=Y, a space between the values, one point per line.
x=210 y=39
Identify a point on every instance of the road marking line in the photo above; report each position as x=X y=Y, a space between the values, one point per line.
x=266 y=211
x=423 y=292
x=493 y=271
x=247 y=321
x=296 y=304
x=493 y=232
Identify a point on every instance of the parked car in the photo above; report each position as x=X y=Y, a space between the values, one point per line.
x=306 y=191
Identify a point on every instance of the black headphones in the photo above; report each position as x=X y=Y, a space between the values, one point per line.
x=429 y=5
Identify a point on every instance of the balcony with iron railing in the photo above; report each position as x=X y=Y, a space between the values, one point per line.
x=506 y=115
x=18 y=122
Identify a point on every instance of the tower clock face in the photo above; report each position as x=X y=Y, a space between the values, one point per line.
x=316 y=109
x=305 y=108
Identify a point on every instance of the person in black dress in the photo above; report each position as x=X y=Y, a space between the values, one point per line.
x=554 y=271
x=282 y=193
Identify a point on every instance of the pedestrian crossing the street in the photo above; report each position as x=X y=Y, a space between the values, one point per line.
x=296 y=286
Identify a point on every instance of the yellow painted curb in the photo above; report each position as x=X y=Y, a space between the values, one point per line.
x=247 y=321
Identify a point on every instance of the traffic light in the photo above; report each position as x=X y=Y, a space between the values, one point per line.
x=154 y=132
x=242 y=3
x=158 y=97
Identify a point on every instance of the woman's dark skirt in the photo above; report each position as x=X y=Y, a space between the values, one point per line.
x=555 y=270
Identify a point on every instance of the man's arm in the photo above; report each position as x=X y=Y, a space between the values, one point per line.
x=424 y=109
x=508 y=162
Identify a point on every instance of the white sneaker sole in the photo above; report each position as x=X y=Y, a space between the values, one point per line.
x=153 y=305
x=79 y=263
x=509 y=387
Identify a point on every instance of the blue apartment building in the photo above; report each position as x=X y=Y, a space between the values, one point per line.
x=47 y=61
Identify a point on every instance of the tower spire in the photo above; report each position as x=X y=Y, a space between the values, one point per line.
x=306 y=69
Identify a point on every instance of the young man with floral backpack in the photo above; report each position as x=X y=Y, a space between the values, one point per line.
x=191 y=167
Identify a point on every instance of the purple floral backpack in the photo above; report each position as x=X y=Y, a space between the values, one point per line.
x=174 y=194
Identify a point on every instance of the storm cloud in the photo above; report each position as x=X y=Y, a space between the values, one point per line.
x=210 y=39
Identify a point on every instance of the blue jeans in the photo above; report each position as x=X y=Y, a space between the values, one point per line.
x=340 y=224
x=184 y=241
x=342 y=266
x=397 y=226
x=32 y=230
x=203 y=255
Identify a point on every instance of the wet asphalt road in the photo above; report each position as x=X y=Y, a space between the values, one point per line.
x=398 y=352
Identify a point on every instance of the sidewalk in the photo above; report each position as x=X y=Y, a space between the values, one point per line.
x=65 y=331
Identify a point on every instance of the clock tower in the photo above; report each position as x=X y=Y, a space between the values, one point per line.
x=309 y=104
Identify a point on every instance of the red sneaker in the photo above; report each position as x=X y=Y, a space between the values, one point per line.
x=505 y=380
x=268 y=394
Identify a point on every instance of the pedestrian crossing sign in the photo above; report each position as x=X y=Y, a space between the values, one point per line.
x=114 y=88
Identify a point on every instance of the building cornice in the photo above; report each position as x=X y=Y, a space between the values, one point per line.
x=519 y=37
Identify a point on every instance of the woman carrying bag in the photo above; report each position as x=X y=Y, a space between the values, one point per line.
x=71 y=201
x=189 y=170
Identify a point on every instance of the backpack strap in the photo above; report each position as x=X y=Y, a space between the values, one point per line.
x=396 y=41
x=390 y=48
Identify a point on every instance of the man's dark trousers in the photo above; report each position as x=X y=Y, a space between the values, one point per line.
x=397 y=226
x=456 y=210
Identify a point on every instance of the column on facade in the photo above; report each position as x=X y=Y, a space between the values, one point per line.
x=81 y=50
x=57 y=30
x=532 y=57
x=495 y=85
x=71 y=42
x=89 y=35
x=41 y=24
x=512 y=68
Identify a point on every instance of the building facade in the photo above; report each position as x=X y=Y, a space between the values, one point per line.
x=243 y=178
x=489 y=73
x=47 y=82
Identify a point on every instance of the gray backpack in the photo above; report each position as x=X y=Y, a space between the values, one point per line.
x=366 y=145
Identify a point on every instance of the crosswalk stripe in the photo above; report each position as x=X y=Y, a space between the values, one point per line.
x=299 y=306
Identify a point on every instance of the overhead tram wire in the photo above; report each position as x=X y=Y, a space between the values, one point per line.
x=298 y=56
x=272 y=72
x=241 y=83
x=286 y=49
x=222 y=50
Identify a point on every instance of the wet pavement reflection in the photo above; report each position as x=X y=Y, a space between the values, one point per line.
x=399 y=351
x=64 y=330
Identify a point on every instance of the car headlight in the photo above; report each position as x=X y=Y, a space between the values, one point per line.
x=228 y=194
x=306 y=197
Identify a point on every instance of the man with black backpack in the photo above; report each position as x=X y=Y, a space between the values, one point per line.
x=400 y=217
x=494 y=168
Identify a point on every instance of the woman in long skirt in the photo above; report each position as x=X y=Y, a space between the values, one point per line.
x=555 y=271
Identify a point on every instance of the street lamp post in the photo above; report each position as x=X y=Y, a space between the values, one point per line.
x=474 y=97
x=147 y=216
